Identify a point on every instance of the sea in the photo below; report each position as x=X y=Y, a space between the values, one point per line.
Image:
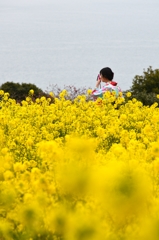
x=67 y=42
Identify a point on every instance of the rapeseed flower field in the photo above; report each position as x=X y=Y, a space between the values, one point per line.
x=78 y=170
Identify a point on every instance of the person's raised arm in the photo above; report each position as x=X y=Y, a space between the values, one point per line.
x=98 y=81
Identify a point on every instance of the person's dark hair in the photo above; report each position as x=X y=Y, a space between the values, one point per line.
x=107 y=73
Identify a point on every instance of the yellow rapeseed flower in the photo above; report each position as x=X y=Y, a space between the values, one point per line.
x=89 y=91
x=128 y=94
x=31 y=92
x=61 y=163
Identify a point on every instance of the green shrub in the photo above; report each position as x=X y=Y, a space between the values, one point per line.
x=19 y=91
x=146 y=87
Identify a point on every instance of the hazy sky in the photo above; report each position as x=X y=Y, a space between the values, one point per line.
x=69 y=41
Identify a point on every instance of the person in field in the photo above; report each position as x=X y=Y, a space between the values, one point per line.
x=106 y=76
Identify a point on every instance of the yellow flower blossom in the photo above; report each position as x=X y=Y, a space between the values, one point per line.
x=31 y=92
x=89 y=91
x=8 y=175
x=128 y=94
x=1 y=92
x=18 y=166
x=78 y=169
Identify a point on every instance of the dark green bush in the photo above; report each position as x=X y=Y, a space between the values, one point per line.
x=146 y=87
x=148 y=82
x=146 y=98
x=19 y=91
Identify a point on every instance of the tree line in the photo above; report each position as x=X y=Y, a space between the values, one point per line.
x=145 y=88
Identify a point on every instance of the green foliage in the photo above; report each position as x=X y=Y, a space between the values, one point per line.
x=146 y=98
x=19 y=91
x=148 y=82
x=146 y=87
